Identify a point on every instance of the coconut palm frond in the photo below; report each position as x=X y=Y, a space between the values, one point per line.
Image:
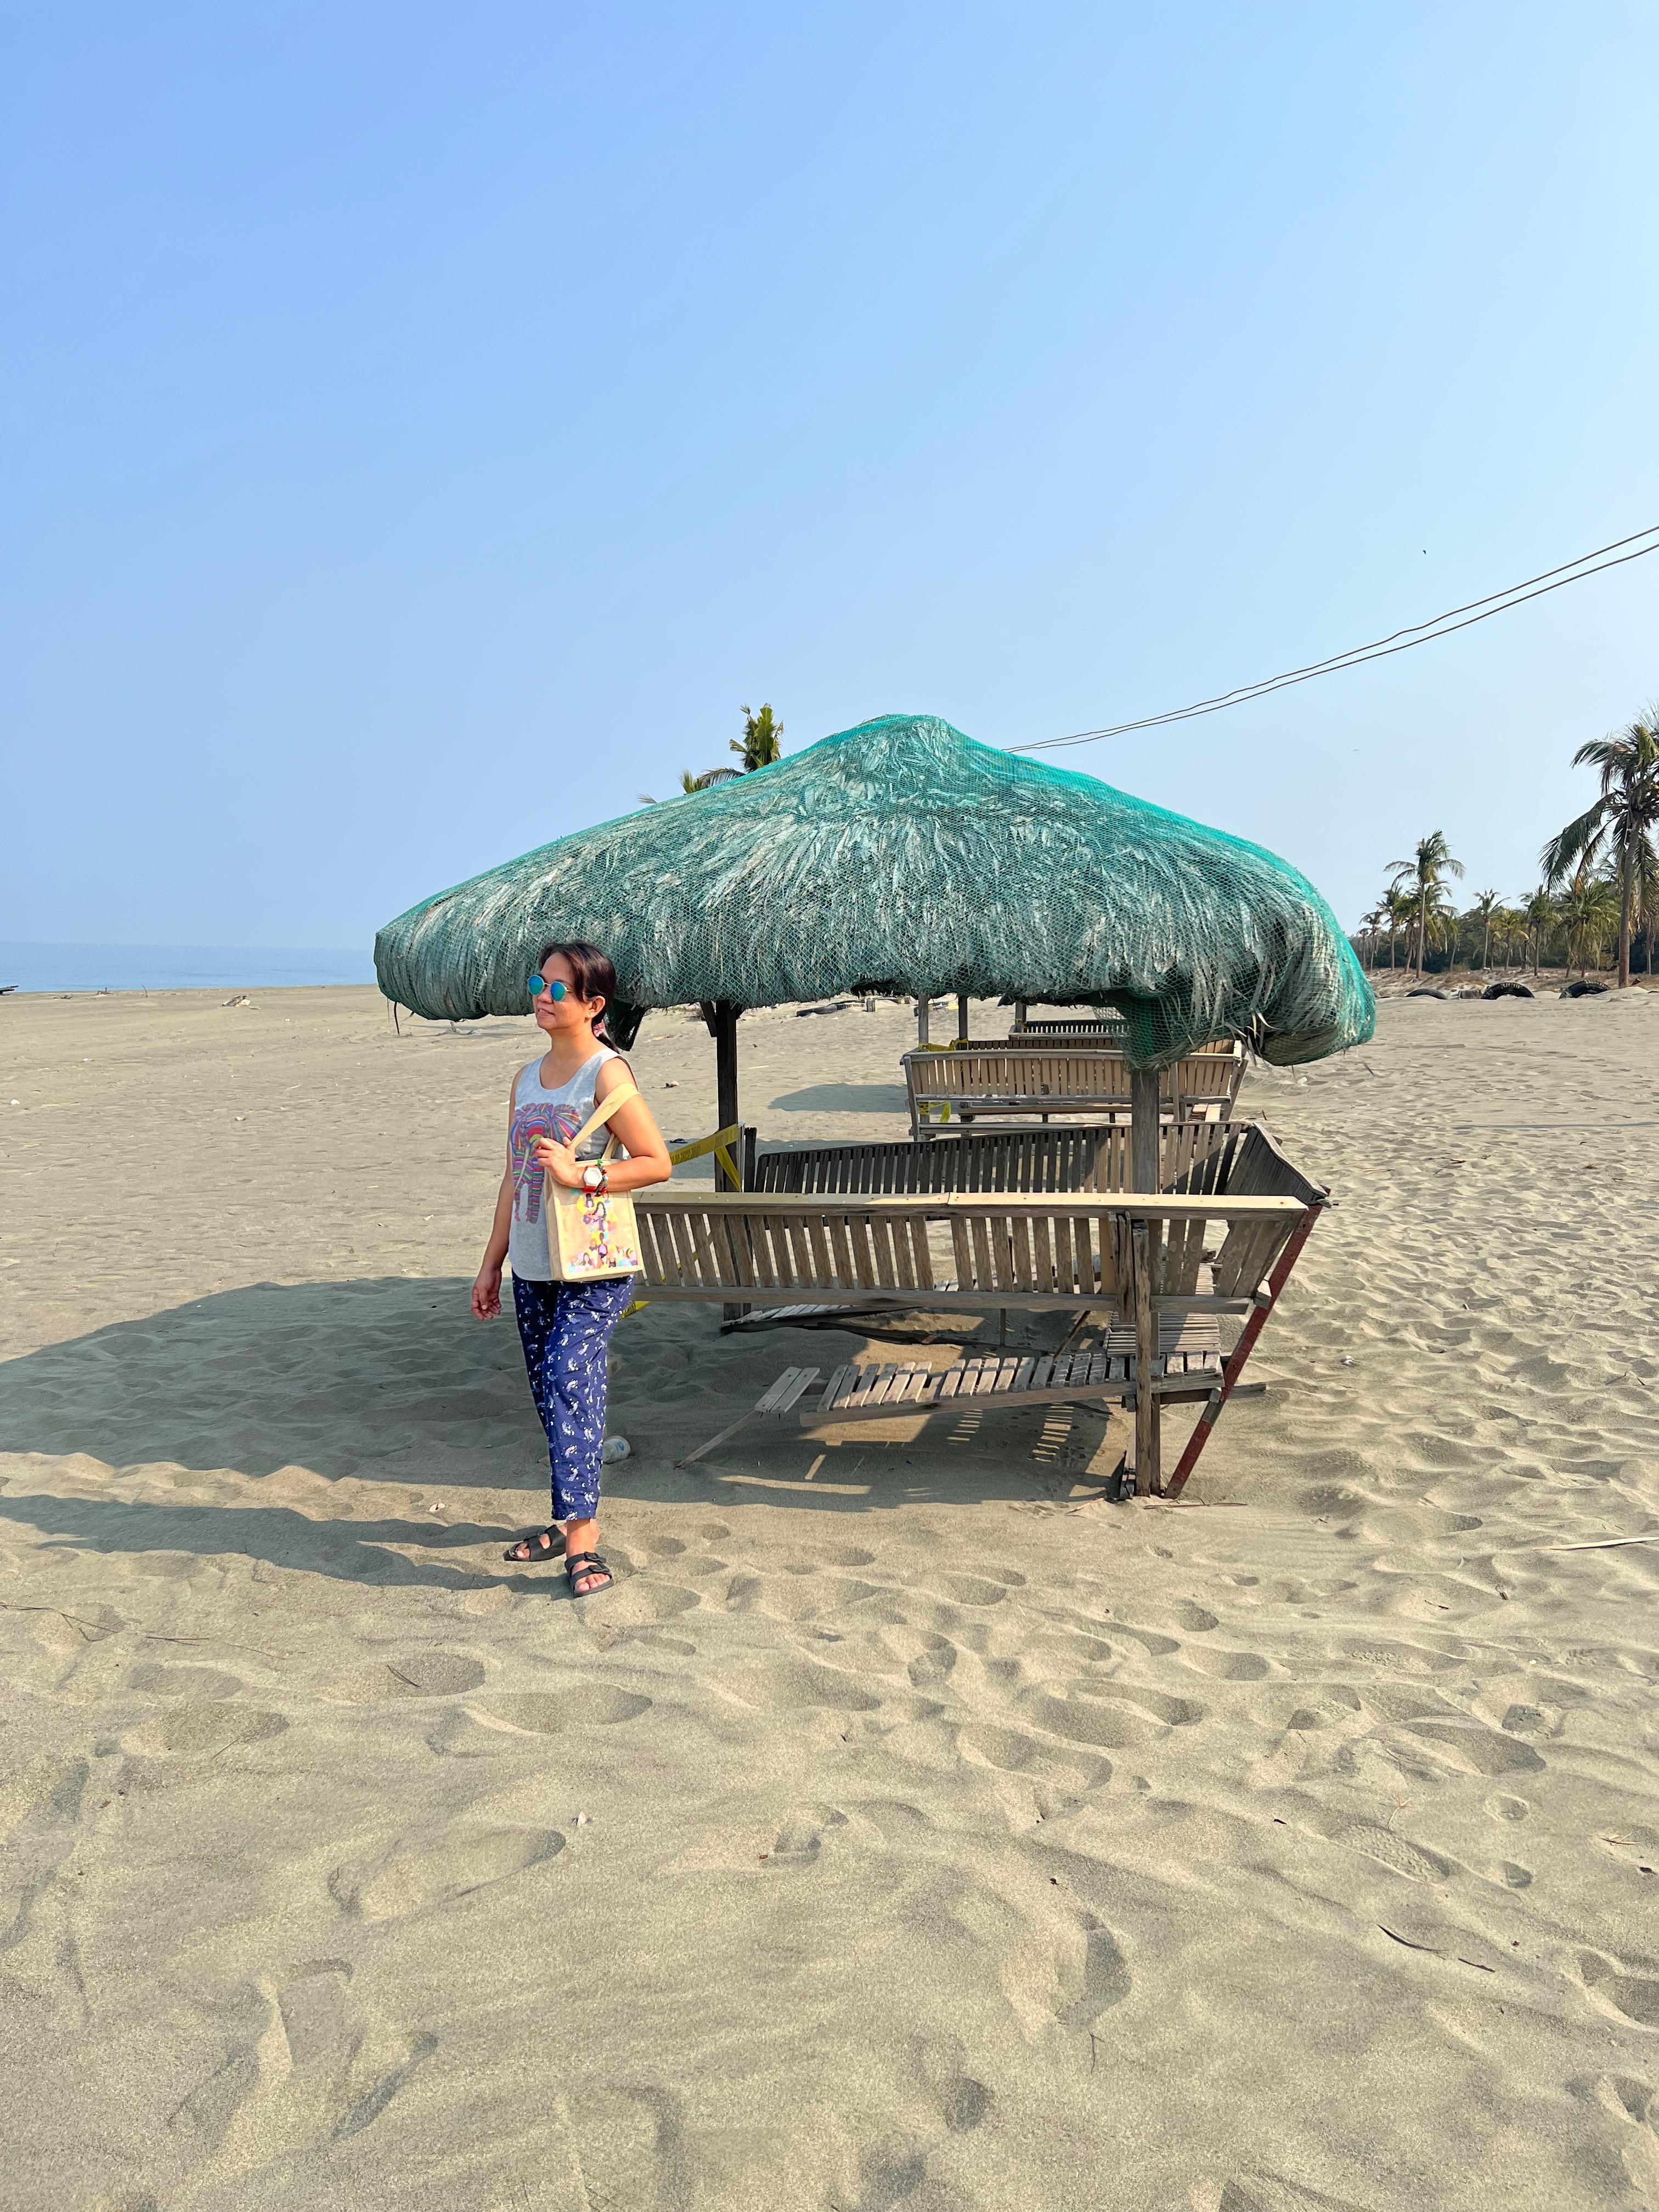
x=1580 y=841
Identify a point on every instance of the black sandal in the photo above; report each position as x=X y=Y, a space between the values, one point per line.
x=580 y=1566
x=547 y=1544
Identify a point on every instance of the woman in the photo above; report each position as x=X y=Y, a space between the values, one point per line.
x=566 y=1327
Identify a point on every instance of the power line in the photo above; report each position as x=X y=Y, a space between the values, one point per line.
x=1398 y=640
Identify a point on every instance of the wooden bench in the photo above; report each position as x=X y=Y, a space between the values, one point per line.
x=1189 y=1348
x=1055 y=1156
x=1147 y=1258
x=1011 y=1086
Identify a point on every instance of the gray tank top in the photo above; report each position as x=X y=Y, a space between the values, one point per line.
x=539 y=1112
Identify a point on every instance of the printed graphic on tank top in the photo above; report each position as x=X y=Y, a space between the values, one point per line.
x=539 y=1112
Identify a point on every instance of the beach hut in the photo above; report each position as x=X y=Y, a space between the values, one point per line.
x=902 y=857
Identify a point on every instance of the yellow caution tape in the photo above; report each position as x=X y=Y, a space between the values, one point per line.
x=720 y=1144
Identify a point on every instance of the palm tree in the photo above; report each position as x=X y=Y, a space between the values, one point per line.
x=1622 y=820
x=759 y=744
x=1507 y=930
x=1586 y=910
x=1647 y=895
x=1485 y=905
x=1426 y=872
x=1538 y=916
x=1397 y=913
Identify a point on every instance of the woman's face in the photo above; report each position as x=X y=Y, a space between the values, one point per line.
x=570 y=1012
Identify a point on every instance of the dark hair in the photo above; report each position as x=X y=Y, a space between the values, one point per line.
x=591 y=974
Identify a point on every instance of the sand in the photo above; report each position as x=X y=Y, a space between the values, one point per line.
x=909 y=1827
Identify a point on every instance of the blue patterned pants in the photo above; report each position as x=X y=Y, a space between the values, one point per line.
x=565 y=1328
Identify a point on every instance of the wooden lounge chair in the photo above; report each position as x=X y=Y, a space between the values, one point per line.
x=1147 y=1258
x=1012 y=1086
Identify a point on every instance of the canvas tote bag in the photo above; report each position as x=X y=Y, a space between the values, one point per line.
x=593 y=1235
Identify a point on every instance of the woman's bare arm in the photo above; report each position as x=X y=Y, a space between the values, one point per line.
x=487 y=1289
x=635 y=1125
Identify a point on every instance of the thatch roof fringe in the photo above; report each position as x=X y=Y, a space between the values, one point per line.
x=901 y=856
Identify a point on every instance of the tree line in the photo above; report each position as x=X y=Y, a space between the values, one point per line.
x=1599 y=889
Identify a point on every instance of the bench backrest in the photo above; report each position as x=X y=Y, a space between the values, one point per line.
x=1018 y=1079
x=1032 y=1159
x=1105 y=1028
x=956 y=1249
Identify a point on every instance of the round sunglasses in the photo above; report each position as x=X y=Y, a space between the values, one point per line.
x=536 y=984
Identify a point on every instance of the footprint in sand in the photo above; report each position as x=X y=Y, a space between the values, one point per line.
x=410 y=1878
x=1225 y=1666
x=800 y=1838
x=1626 y=2096
x=961 y=2102
x=1414 y=1861
x=797 y=1685
x=546 y=1713
x=310 y=2065
x=458 y=1734
x=1012 y=1751
x=1073 y=1973
x=1115 y=1716
x=979 y=1589
x=838 y=1555
x=42 y=1807
x=808 y=1591
x=644 y=1603
x=1633 y=1996
x=195 y=1730
x=1155 y=1645
x=1477 y=1750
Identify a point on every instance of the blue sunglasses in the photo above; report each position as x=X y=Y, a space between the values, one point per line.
x=536 y=984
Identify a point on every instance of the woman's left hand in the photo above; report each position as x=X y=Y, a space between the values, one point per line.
x=560 y=1162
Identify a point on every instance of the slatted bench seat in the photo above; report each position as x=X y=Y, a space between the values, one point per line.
x=1144 y=1257
x=1011 y=1086
x=1191 y=1370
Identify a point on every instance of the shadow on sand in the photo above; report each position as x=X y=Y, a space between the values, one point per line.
x=845 y=1098
x=391 y=1380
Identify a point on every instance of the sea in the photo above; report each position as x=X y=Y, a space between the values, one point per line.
x=176 y=967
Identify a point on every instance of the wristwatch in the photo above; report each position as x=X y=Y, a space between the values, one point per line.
x=594 y=1177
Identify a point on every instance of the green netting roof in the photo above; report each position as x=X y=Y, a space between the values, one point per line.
x=900 y=856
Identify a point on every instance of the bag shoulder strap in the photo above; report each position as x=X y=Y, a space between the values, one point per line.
x=619 y=1096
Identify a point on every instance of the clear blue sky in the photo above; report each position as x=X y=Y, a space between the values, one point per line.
x=425 y=425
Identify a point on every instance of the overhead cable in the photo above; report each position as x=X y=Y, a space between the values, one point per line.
x=1398 y=641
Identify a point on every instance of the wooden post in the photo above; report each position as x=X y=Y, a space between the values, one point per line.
x=962 y=1018
x=1143 y=1129
x=1149 y=1473
x=921 y=1020
x=721 y=1018
x=726 y=1079
x=1021 y=1008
